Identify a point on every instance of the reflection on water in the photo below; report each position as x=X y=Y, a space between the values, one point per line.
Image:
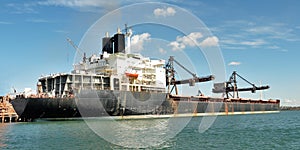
x=268 y=131
x=141 y=133
x=133 y=133
x=3 y=132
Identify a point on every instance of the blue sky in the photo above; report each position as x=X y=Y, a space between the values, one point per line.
x=259 y=39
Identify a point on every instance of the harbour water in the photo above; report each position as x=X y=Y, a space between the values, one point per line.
x=263 y=131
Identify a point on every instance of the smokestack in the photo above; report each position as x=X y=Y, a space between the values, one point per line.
x=119 y=42
x=107 y=44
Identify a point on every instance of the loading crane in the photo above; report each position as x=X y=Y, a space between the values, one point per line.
x=171 y=80
x=77 y=50
x=231 y=89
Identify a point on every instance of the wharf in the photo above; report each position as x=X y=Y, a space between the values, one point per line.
x=7 y=112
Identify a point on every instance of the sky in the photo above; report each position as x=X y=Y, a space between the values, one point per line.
x=258 y=39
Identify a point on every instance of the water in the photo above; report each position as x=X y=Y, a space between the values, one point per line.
x=267 y=131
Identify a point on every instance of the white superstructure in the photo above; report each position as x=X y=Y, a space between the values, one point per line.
x=114 y=69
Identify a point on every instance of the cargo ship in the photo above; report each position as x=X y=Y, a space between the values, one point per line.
x=119 y=83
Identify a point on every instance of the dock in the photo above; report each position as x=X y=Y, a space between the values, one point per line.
x=7 y=112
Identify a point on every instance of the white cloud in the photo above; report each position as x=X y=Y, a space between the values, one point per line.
x=61 y=31
x=21 y=8
x=231 y=23
x=233 y=47
x=253 y=43
x=262 y=30
x=283 y=50
x=6 y=23
x=137 y=41
x=275 y=31
x=234 y=63
x=190 y=40
x=273 y=47
x=244 y=44
x=83 y=5
x=164 y=12
x=210 y=41
x=246 y=34
x=177 y=46
x=162 y=51
x=73 y=3
x=38 y=21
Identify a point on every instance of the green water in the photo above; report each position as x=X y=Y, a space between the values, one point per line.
x=265 y=131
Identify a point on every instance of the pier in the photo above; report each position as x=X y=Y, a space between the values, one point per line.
x=7 y=112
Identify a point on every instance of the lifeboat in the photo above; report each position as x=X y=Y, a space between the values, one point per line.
x=133 y=75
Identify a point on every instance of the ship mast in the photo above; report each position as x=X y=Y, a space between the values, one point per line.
x=128 y=33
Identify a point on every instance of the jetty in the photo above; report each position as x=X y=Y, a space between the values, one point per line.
x=7 y=112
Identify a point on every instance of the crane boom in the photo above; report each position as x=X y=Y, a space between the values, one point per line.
x=77 y=49
x=193 y=74
x=196 y=79
x=231 y=89
x=171 y=80
x=231 y=86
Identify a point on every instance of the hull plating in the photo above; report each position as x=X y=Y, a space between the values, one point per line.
x=131 y=105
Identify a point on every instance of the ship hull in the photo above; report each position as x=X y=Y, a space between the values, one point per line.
x=127 y=104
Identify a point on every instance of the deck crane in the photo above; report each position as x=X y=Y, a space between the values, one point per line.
x=78 y=50
x=171 y=80
x=231 y=86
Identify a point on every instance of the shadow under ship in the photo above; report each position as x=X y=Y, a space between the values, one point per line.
x=125 y=85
